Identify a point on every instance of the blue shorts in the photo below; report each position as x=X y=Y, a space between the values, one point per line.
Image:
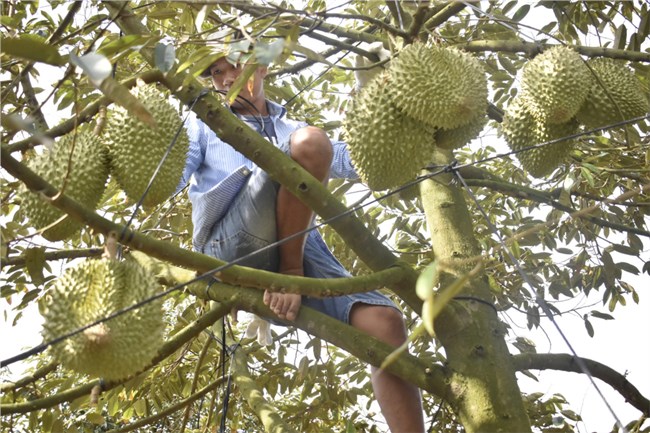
x=250 y=225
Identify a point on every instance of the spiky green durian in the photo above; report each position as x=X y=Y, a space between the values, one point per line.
x=136 y=149
x=442 y=87
x=522 y=129
x=387 y=147
x=624 y=88
x=77 y=163
x=93 y=290
x=459 y=137
x=556 y=84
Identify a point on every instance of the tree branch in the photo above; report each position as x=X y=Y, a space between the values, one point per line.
x=432 y=378
x=53 y=255
x=526 y=193
x=167 y=349
x=266 y=412
x=171 y=409
x=443 y=16
x=566 y=362
x=26 y=380
x=533 y=48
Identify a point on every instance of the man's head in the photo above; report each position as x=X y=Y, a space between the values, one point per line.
x=223 y=74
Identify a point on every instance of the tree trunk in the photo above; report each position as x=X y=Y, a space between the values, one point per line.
x=483 y=387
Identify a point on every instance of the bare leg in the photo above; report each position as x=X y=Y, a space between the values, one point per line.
x=399 y=401
x=310 y=148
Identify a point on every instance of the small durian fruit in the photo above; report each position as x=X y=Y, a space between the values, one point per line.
x=442 y=87
x=621 y=85
x=136 y=149
x=522 y=129
x=77 y=163
x=387 y=147
x=556 y=84
x=93 y=290
x=458 y=137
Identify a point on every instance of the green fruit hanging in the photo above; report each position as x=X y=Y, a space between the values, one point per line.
x=136 y=149
x=442 y=87
x=95 y=289
x=76 y=164
x=387 y=146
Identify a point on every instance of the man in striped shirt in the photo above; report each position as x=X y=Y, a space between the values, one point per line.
x=237 y=209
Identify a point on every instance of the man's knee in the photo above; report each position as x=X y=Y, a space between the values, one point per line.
x=312 y=149
x=382 y=322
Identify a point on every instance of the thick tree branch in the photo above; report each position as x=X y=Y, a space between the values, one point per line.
x=53 y=255
x=266 y=412
x=533 y=48
x=443 y=16
x=431 y=378
x=167 y=349
x=566 y=362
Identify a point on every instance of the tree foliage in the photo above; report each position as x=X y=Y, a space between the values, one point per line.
x=580 y=232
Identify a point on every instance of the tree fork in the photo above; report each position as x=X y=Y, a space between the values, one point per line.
x=484 y=391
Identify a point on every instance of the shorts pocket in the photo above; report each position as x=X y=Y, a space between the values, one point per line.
x=241 y=244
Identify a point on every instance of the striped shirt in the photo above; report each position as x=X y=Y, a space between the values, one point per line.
x=216 y=171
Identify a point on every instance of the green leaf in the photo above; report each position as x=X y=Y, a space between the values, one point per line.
x=521 y=13
x=95 y=418
x=267 y=53
x=164 y=56
x=590 y=328
x=241 y=80
x=28 y=48
x=426 y=281
x=603 y=316
x=620 y=37
x=35 y=261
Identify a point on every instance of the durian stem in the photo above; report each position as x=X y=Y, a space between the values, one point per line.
x=167 y=349
x=171 y=409
x=266 y=412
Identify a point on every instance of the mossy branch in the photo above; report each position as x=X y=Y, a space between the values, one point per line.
x=566 y=362
x=265 y=411
x=533 y=48
x=431 y=378
x=171 y=409
x=167 y=349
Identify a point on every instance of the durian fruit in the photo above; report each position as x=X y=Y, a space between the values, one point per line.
x=556 y=83
x=77 y=163
x=522 y=129
x=93 y=290
x=386 y=146
x=440 y=86
x=624 y=88
x=136 y=149
x=458 y=137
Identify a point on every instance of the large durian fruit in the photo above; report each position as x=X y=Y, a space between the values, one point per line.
x=617 y=88
x=556 y=84
x=76 y=163
x=458 y=137
x=95 y=289
x=136 y=149
x=386 y=146
x=440 y=86
x=522 y=128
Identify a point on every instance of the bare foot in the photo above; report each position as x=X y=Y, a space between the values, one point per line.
x=284 y=305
